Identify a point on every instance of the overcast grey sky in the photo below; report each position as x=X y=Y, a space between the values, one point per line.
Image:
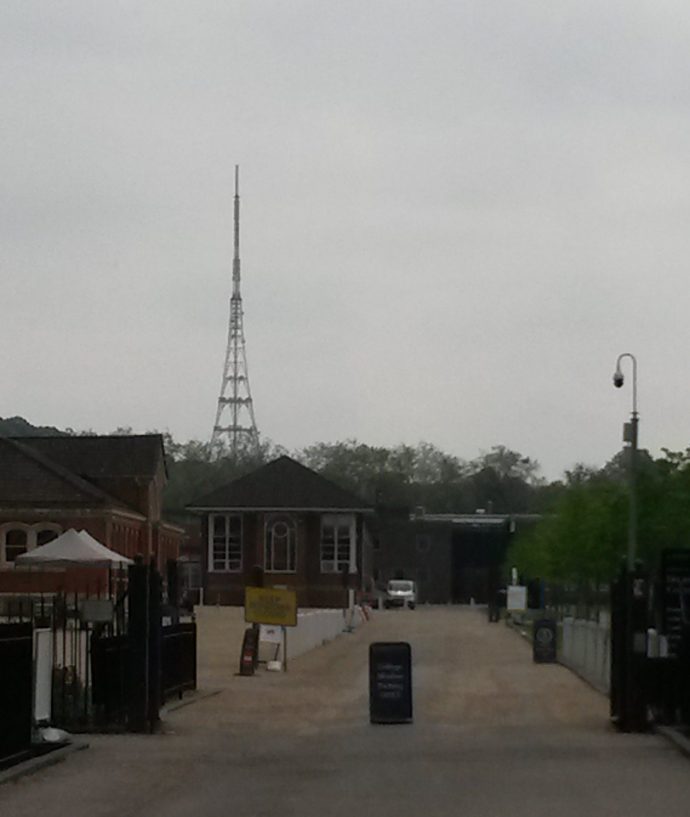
x=455 y=215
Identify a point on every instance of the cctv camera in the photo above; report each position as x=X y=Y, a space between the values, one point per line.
x=618 y=379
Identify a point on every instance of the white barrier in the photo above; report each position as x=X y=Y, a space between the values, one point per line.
x=586 y=648
x=43 y=675
x=316 y=628
x=220 y=630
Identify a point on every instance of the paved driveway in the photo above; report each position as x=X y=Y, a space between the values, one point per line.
x=493 y=735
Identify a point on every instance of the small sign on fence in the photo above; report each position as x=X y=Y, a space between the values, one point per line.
x=517 y=598
x=96 y=611
x=544 y=641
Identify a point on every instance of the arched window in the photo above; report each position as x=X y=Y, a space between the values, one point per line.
x=281 y=545
x=16 y=542
x=45 y=535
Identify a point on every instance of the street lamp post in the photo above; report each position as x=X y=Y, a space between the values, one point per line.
x=630 y=436
x=632 y=719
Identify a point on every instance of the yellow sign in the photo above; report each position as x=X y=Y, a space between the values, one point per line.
x=266 y=605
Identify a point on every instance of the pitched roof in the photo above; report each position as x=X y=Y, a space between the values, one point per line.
x=102 y=456
x=281 y=484
x=28 y=477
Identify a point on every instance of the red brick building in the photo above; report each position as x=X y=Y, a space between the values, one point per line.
x=110 y=486
x=305 y=532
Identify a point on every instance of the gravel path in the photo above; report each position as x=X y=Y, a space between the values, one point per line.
x=493 y=734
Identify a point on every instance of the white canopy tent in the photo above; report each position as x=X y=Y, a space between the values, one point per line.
x=71 y=549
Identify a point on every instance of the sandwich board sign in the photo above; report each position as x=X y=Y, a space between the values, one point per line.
x=390 y=682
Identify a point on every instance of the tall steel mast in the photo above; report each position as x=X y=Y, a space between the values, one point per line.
x=235 y=426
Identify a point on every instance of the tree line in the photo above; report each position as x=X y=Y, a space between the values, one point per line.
x=582 y=540
x=399 y=477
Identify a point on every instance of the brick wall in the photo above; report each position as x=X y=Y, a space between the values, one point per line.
x=313 y=588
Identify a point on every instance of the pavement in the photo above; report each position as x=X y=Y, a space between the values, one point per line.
x=37 y=763
x=493 y=734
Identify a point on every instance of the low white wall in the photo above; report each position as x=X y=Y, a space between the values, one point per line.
x=220 y=631
x=43 y=675
x=586 y=648
x=314 y=629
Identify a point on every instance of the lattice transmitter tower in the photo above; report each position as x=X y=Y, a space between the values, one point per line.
x=235 y=426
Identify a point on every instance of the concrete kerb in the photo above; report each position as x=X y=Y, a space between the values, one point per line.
x=188 y=700
x=674 y=736
x=595 y=686
x=35 y=764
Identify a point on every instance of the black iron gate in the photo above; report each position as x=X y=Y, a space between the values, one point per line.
x=178 y=665
x=675 y=623
x=16 y=686
x=648 y=681
x=109 y=662
x=629 y=621
x=113 y=662
x=136 y=671
x=675 y=596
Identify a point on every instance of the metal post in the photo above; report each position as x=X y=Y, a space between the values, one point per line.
x=137 y=687
x=632 y=521
x=630 y=692
x=285 y=655
x=632 y=465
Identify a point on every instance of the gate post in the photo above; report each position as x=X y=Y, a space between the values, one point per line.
x=629 y=596
x=144 y=640
x=173 y=583
x=155 y=635
x=137 y=638
x=683 y=684
x=16 y=689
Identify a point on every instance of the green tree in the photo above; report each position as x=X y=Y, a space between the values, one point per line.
x=583 y=537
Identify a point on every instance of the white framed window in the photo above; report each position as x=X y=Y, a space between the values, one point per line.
x=16 y=542
x=18 y=537
x=280 y=553
x=225 y=543
x=337 y=540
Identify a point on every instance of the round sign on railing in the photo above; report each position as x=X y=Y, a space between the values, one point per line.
x=544 y=641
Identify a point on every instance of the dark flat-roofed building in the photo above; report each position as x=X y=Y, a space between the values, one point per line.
x=453 y=558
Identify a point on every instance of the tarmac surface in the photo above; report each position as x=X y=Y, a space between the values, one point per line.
x=493 y=734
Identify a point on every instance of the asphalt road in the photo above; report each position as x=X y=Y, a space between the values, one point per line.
x=493 y=735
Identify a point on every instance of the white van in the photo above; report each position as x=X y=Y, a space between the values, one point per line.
x=400 y=593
